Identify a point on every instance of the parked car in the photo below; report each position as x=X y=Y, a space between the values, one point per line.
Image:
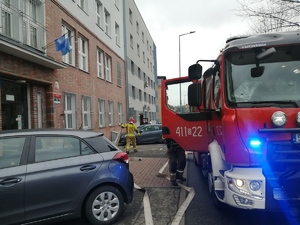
x=62 y=174
x=150 y=133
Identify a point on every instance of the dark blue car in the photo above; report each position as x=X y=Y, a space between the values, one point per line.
x=59 y=174
x=150 y=133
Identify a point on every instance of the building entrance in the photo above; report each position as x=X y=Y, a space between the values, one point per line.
x=14 y=105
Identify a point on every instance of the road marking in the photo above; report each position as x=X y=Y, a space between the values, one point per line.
x=147 y=210
x=147 y=206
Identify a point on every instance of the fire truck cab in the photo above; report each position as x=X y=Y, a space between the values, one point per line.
x=241 y=120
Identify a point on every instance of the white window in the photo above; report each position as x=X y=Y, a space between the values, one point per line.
x=120 y=112
x=101 y=112
x=131 y=41
x=108 y=68
x=86 y=112
x=137 y=28
x=70 y=109
x=133 y=91
x=117 y=3
x=119 y=74
x=83 y=53
x=138 y=49
x=99 y=13
x=111 y=113
x=83 y=4
x=117 y=33
x=23 y=21
x=39 y=110
x=130 y=15
x=69 y=33
x=107 y=22
x=6 y=19
x=100 y=67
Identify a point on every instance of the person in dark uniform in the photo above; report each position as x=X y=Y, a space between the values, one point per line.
x=177 y=161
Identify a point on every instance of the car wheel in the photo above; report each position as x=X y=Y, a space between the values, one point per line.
x=104 y=205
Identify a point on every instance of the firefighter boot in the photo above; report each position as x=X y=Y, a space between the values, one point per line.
x=173 y=179
x=180 y=177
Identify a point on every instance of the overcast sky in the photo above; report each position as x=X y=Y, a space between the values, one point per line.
x=213 y=22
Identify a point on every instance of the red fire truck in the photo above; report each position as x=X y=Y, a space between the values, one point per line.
x=241 y=120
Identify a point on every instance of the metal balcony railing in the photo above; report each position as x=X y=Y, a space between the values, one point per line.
x=23 y=21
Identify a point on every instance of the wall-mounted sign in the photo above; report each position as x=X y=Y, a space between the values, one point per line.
x=10 y=98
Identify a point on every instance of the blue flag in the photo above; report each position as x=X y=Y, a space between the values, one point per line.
x=63 y=44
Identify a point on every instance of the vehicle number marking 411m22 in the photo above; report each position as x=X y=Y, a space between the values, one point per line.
x=189 y=131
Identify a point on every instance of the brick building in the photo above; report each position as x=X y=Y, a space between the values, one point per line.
x=93 y=85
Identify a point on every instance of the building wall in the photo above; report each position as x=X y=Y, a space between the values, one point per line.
x=143 y=59
x=76 y=81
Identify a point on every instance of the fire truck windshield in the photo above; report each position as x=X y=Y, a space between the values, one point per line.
x=279 y=80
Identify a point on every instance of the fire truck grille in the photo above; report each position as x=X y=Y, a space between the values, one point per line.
x=284 y=153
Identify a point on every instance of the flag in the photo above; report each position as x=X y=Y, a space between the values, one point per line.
x=63 y=44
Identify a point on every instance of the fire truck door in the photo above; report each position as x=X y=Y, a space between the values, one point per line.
x=182 y=123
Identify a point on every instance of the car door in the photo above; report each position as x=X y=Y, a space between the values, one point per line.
x=59 y=175
x=12 y=180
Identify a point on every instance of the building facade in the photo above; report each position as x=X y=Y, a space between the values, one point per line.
x=140 y=60
x=93 y=84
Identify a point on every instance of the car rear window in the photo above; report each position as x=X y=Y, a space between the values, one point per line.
x=101 y=144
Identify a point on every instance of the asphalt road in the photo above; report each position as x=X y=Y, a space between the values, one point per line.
x=202 y=211
x=199 y=211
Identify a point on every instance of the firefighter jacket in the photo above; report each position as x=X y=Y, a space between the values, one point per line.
x=130 y=129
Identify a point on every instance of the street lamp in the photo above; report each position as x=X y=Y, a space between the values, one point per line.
x=191 y=32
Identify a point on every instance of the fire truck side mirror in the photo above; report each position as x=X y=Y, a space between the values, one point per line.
x=194 y=94
x=195 y=72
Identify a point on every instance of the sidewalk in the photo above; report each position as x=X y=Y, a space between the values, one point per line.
x=156 y=200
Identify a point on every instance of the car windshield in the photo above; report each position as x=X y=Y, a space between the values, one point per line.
x=275 y=79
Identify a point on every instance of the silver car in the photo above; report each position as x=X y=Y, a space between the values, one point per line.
x=60 y=174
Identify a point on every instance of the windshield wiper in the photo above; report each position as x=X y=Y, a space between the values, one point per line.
x=258 y=104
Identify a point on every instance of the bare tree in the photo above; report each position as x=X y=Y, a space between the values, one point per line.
x=270 y=15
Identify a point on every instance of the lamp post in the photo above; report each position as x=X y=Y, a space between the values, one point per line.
x=191 y=32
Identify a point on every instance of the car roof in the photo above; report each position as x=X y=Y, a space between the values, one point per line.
x=69 y=132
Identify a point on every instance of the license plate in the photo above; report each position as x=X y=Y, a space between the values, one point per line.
x=297 y=138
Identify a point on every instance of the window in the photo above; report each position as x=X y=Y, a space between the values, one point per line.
x=108 y=68
x=119 y=74
x=145 y=96
x=111 y=113
x=10 y=151
x=117 y=33
x=6 y=22
x=140 y=94
x=39 y=109
x=132 y=67
x=131 y=41
x=69 y=33
x=83 y=54
x=143 y=37
x=130 y=15
x=133 y=91
x=56 y=147
x=139 y=72
x=101 y=111
x=120 y=112
x=117 y=3
x=138 y=49
x=143 y=56
x=137 y=27
x=99 y=13
x=86 y=112
x=70 y=109
x=107 y=22
x=100 y=67
x=147 y=45
x=83 y=4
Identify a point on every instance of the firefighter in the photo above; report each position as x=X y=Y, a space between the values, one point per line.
x=177 y=161
x=130 y=135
